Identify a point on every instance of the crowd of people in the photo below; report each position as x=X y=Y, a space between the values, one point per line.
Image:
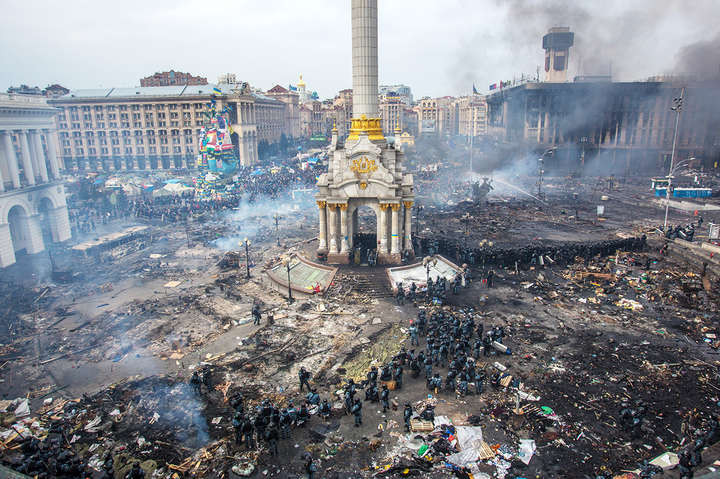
x=94 y=206
x=454 y=344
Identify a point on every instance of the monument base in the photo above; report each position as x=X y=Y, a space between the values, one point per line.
x=338 y=258
x=389 y=258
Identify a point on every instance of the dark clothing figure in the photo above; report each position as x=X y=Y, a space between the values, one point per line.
x=304 y=377
x=407 y=416
x=272 y=437
x=357 y=412
x=136 y=472
x=384 y=396
x=256 y=314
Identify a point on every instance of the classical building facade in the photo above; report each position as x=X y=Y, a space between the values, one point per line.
x=472 y=115
x=365 y=171
x=156 y=128
x=32 y=196
x=291 y=100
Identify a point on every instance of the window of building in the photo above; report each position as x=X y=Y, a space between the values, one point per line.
x=103 y=141
x=116 y=150
x=177 y=149
x=111 y=116
x=137 y=124
x=164 y=149
x=174 y=123
x=63 y=126
x=113 y=133
x=126 y=141
x=104 y=151
x=152 y=150
x=125 y=124
x=147 y=107
x=163 y=140
x=90 y=141
x=86 y=117
x=149 y=124
x=91 y=151
x=66 y=151
x=99 y=116
x=172 y=106
x=173 y=115
x=110 y=108
x=198 y=106
x=88 y=126
x=139 y=141
x=176 y=140
x=113 y=124
x=151 y=141
x=76 y=126
x=186 y=106
x=135 y=107
x=123 y=116
x=189 y=149
x=128 y=151
x=150 y=133
x=123 y=107
x=78 y=142
x=66 y=142
x=159 y=106
x=79 y=151
x=114 y=141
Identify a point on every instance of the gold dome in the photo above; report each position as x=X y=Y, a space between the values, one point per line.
x=301 y=82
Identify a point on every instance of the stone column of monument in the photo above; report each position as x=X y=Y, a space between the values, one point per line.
x=332 y=228
x=408 y=225
x=27 y=162
x=11 y=158
x=34 y=238
x=322 y=236
x=344 y=246
x=395 y=229
x=382 y=229
x=52 y=154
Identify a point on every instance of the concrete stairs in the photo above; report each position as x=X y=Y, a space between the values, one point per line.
x=366 y=281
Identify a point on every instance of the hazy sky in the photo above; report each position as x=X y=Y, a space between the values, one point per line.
x=438 y=47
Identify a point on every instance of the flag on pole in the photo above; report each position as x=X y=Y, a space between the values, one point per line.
x=493 y=86
x=217 y=91
x=475 y=92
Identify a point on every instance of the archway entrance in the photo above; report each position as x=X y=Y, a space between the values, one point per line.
x=17 y=218
x=364 y=235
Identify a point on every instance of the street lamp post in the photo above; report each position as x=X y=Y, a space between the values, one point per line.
x=247 y=256
x=286 y=263
x=276 y=217
x=429 y=262
x=677 y=108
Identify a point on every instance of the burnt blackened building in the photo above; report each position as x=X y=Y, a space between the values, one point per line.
x=610 y=127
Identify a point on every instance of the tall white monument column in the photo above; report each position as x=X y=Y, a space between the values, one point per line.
x=322 y=236
x=27 y=162
x=39 y=155
x=395 y=229
x=11 y=158
x=344 y=246
x=408 y=225
x=382 y=228
x=365 y=58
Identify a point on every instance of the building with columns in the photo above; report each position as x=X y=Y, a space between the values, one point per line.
x=33 y=210
x=365 y=171
x=472 y=115
x=156 y=128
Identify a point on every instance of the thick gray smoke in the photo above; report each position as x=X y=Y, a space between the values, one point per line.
x=701 y=59
x=635 y=39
